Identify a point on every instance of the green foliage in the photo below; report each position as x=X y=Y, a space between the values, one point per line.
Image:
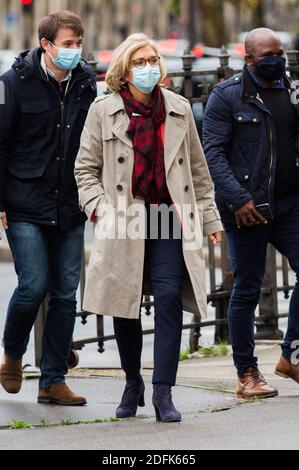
x=210 y=351
x=214 y=351
x=44 y=423
x=175 y=6
x=184 y=355
x=14 y=424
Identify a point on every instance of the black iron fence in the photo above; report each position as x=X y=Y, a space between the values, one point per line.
x=220 y=274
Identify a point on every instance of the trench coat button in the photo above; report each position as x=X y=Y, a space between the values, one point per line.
x=186 y=189
x=181 y=161
x=191 y=215
x=121 y=214
x=58 y=125
x=121 y=160
x=246 y=177
x=255 y=120
x=68 y=126
x=119 y=188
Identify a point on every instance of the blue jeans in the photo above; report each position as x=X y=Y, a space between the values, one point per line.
x=248 y=250
x=47 y=261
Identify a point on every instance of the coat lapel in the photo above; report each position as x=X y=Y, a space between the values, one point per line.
x=120 y=129
x=175 y=132
x=175 y=127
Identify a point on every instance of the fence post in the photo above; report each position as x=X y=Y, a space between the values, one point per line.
x=267 y=321
x=224 y=72
x=2 y=92
x=293 y=56
x=188 y=59
x=222 y=331
x=39 y=326
x=90 y=59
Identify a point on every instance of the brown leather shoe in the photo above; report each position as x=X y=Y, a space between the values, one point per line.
x=286 y=369
x=60 y=394
x=253 y=385
x=11 y=374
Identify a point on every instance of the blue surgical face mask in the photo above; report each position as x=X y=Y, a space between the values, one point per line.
x=67 y=58
x=146 y=79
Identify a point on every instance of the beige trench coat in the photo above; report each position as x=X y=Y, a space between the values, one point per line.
x=115 y=279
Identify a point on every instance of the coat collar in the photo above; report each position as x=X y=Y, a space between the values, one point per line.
x=250 y=88
x=28 y=64
x=173 y=103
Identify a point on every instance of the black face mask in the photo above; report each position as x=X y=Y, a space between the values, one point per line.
x=271 y=68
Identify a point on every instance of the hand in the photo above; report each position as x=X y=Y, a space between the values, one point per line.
x=248 y=216
x=93 y=218
x=215 y=238
x=3 y=219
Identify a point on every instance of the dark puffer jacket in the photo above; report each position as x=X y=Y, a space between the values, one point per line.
x=39 y=141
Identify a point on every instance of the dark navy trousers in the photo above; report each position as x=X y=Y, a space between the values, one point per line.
x=248 y=249
x=166 y=266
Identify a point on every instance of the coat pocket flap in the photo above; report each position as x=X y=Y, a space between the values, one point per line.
x=36 y=107
x=28 y=171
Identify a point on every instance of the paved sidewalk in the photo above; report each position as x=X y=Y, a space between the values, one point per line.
x=212 y=416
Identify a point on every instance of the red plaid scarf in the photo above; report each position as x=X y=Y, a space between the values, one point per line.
x=149 y=179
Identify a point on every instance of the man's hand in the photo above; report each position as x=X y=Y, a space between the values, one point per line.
x=248 y=216
x=3 y=219
x=215 y=238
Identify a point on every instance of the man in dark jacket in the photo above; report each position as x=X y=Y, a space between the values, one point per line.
x=251 y=143
x=48 y=92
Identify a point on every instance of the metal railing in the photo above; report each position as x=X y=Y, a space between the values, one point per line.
x=267 y=321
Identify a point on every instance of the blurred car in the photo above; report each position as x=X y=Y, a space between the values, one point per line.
x=239 y=47
x=103 y=59
x=172 y=47
x=7 y=58
x=204 y=84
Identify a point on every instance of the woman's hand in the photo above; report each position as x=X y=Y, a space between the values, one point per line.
x=215 y=238
x=93 y=218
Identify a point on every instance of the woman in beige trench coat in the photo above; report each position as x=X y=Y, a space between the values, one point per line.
x=140 y=156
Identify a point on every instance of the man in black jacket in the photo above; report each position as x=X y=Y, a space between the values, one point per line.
x=48 y=92
x=251 y=135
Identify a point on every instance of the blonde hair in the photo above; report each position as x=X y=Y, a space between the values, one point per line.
x=119 y=67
